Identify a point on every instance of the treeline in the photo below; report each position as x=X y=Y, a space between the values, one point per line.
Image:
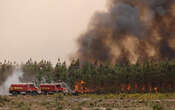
x=148 y=76
x=43 y=71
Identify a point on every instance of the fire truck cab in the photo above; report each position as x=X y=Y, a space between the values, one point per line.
x=23 y=88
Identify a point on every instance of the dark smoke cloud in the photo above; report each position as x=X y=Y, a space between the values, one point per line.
x=130 y=30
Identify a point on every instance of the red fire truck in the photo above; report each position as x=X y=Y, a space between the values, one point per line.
x=53 y=88
x=46 y=88
x=24 y=88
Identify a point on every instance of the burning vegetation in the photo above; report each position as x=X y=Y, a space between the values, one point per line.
x=128 y=48
x=82 y=87
x=149 y=76
x=132 y=47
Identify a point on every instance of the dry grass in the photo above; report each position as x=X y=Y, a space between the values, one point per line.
x=90 y=102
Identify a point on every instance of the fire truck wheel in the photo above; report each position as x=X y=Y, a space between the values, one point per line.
x=34 y=93
x=14 y=93
x=45 y=92
x=28 y=93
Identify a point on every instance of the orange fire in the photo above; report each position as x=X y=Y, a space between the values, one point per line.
x=81 y=88
x=76 y=87
x=155 y=89
x=129 y=87
x=82 y=82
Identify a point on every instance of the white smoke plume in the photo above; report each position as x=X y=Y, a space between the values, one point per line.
x=14 y=78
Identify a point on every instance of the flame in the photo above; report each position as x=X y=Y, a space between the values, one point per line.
x=76 y=87
x=155 y=89
x=129 y=87
x=81 y=88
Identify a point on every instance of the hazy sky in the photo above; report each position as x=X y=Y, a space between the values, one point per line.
x=43 y=29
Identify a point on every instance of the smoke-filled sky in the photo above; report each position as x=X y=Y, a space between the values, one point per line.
x=43 y=29
x=130 y=30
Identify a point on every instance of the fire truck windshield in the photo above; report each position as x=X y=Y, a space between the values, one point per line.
x=58 y=86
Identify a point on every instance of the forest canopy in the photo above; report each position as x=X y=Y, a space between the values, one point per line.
x=148 y=76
